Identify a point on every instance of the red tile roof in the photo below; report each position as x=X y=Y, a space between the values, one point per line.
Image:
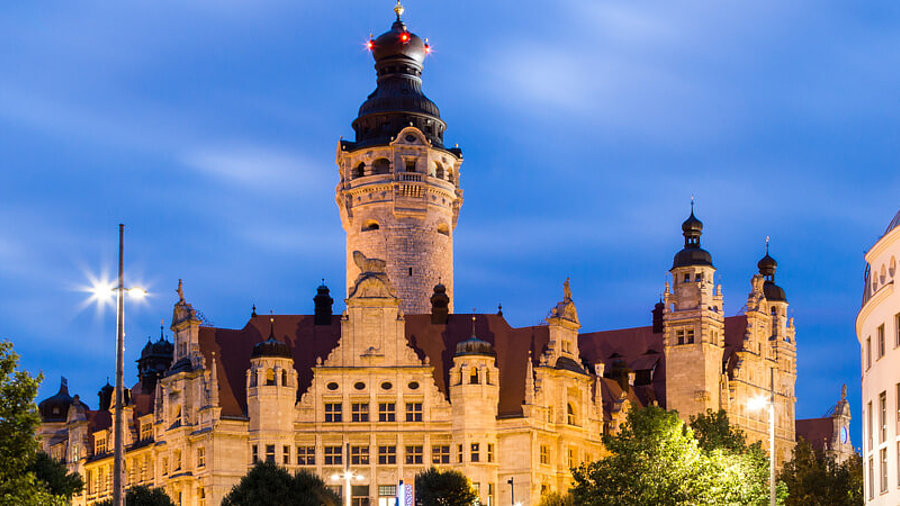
x=816 y=431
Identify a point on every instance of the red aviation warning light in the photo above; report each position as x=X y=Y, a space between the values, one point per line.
x=404 y=37
x=370 y=44
x=427 y=46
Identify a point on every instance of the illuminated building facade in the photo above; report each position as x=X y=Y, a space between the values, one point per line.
x=398 y=381
x=878 y=332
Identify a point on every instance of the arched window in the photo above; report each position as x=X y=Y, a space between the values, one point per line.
x=438 y=170
x=370 y=225
x=284 y=377
x=449 y=175
x=443 y=229
x=570 y=414
x=473 y=378
x=253 y=378
x=359 y=171
x=381 y=166
x=270 y=377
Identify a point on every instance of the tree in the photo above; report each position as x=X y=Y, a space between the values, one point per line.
x=53 y=473
x=656 y=460
x=557 y=499
x=443 y=488
x=813 y=478
x=143 y=496
x=18 y=422
x=268 y=483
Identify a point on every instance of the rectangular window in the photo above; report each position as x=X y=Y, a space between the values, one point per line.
x=571 y=458
x=165 y=466
x=545 y=454
x=387 y=455
x=490 y=494
x=306 y=455
x=879 y=333
x=689 y=336
x=868 y=352
x=270 y=454
x=897 y=414
x=882 y=417
x=475 y=453
x=359 y=412
x=201 y=456
x=387 y=412
x=413 y=411
x=359 y=455
x=896 y=330
x=459 y=453
x=884 y=471
x=333 y=412
x=387 y=495
x=898 y=467
x=869 y=426
x=687 y=277
x=146 y=431
x=100 y=445
x=440 y=454
x=285 y=454
x=679 y=336
x=414 y=454
x=490 y=452
x=333 y=456
x=359 y=495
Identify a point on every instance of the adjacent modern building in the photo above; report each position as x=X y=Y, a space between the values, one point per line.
x=398 y=382
x=878 y=331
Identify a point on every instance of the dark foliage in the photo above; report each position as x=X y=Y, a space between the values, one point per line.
x=443 y=488
x=813 y=478
x=268 y=483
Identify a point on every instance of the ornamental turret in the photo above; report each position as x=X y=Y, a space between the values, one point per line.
x=694 y=327
x=399 y=194
x=271 y=390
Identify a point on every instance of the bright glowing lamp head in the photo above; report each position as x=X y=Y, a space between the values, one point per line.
x=757 y=403
x=137 y=293
x=358 y=476
x=102 y=291
x=517 y=503
x=335 y=477
x=370 y=44
x=404 y=37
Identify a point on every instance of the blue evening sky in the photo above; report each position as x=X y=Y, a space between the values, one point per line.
x=209 y=128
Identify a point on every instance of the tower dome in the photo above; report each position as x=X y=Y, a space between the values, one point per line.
x=323 y=305
x=56 y=408
x=271 y=347
x=767 y=267
x=398 y=100
x=692 y=254
x=474 y=346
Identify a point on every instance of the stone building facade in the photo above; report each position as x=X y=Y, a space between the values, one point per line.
x=398 y=382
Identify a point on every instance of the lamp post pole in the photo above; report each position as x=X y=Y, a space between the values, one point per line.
x=119 y=458
x=512 y=490
x=772 y=436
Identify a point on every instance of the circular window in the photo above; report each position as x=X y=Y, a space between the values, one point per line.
x=413 y=385
x=332 y=386
x=410 y=138
x=387 y=385
x=359 y=385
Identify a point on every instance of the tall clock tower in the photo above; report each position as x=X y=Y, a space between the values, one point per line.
x=399 y=193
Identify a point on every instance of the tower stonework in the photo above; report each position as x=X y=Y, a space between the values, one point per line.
x=694 y=328
x=399 y=194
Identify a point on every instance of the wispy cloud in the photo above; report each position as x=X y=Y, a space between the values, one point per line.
x=256 y=167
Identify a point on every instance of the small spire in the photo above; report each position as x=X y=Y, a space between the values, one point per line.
x=473 y=324
x=253 y=312
x=399 y=10
x=692 y=203
x=767 y=245
x=271 y=327
x=499 y=309
x=161 y=327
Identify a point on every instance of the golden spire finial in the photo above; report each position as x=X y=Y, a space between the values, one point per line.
x=399 y=9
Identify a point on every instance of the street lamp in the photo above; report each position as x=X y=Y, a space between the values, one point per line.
x=102 y=292
x=512 y=491
x=768 y=402
x=346 y=476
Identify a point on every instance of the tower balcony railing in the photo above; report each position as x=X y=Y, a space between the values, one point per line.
x=411 y=176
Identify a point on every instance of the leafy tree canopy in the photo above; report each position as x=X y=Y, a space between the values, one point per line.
x=268 y=483
x=557 y=499
x=18 y=422
x=58 y=479
x=443 y=488
x=143 y=496
x=657 y=460
x=813 y=478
